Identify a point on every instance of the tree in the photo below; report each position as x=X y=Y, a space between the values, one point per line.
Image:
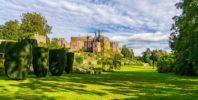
x=184 y=36
x=34 y=23
x=1 y=34
x=10 y=30
x=115 y=61
x=156 y=54
x=165 y=63
x=127 y=53
x=146 y=56
x=54 y=43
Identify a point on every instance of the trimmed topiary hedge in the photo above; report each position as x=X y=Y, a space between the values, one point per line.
x=40 y=61
x=57 y=61
x=17 y=57
x=33 y=44
x=70 y=60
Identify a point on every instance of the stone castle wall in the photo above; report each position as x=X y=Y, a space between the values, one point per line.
x=40 y=38
x=97 y=44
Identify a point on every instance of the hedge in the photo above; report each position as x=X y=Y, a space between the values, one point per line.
x=40 y=61
x=33 y=44
x=70 y=60
x=17 y=59
x=57 y=61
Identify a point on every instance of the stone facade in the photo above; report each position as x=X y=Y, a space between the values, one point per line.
x=97 y=44
x=63 y=43
x=40 y=38
x=77 y=43
x=97 y=47
x=114 y=46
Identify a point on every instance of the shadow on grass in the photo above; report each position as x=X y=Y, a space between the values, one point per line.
x=133 y=85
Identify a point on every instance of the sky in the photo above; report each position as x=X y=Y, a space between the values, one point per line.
x=138 y=24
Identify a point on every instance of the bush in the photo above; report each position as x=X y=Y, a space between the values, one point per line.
x=2 y=47
x=33 y=44
x=17 y=57
x=57 y=61
x=87 y=69
x=70 y=61
x=79 y=59
x=165 y=63
x=40 y=61
x=84 y=69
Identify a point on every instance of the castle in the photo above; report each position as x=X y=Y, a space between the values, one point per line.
x=96 y=44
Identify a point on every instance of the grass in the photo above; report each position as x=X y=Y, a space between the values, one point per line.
x=131 y=82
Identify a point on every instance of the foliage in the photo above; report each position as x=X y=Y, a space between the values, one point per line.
x=83 y=69
x=32 y=43
x=17 y=60
x=79 y=59
x=10 y=30
x=165 y=63
x=146 y=56
x=31 y=23
x=57 y=61
x=54 y=44
x=127 y=53
x=113 y=61
x=35 y=23
x=40 y=61
x=155 y=55
x=70 y=61
x=184 y=36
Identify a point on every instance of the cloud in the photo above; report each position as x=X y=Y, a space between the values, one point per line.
x=129 y=22
x=140 y=41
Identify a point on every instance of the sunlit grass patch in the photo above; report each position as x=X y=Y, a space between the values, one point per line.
x=131 y=82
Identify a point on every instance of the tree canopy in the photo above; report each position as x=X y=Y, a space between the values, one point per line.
x=10 y=30
x=35 y=23
x=31 y=23
x=184 y=36
x=127 y=53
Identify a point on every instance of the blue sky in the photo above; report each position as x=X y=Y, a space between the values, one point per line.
x=139 y=24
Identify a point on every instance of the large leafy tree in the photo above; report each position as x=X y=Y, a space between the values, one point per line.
x=146 y=56
x=184 y=36
x=10 y=30
x=127 y=53
x=34 y=23
x=31 y=23
x=156 y=54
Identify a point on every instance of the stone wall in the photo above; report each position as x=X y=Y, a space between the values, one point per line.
x=97 y=44
x=97 y=48
x=63 y=43
x=114 y=47
x=77 y=43
x=40 y=38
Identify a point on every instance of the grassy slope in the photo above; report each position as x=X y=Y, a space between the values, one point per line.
x=128 y=83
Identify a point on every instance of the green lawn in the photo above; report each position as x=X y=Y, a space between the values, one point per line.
x=134 y=82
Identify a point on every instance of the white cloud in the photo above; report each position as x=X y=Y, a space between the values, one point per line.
x=150 y=37
x=128 y=21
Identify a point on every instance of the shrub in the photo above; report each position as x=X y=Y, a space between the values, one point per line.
x=17 y=59
x=84 y=69
x=40 y=61
x=70 y=60
x=79 y=59
x=33 y=44
x=165 y=63
x=57 y=61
